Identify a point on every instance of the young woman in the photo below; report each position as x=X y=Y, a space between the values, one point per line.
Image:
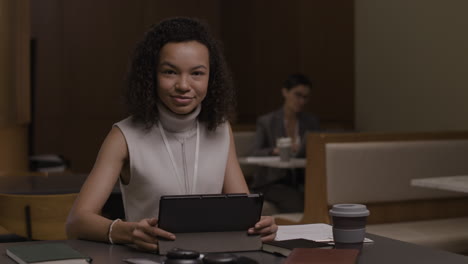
x=288 y=121
x=177 y=139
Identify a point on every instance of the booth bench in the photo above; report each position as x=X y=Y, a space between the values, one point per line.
x=376 y=170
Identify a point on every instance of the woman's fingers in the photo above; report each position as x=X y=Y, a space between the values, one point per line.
x=266 y=232
x=269 y=237
x=143 y=240
x=142 y=245
x=164 y=234
x=146 y=233
x=266 y=228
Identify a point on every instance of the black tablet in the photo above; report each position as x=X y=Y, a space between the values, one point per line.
x=209 y=212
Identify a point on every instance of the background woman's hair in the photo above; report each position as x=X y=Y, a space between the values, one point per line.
x=141 y=94
x=296 y=79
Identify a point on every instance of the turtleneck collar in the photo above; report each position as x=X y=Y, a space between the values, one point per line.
x=177 y=123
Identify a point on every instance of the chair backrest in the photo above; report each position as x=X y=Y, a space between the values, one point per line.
x=36 y=217
x=243 y=141
x=370 y=172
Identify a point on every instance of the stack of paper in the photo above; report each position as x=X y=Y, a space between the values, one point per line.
x=315 y=232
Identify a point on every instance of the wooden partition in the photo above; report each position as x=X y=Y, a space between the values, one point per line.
x=317 y=197
x=14 y=62
x=14 y=148
x=36 y=217
x=14 y=84
x=83 y=49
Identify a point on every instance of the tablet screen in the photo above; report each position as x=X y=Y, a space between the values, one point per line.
x=209 y=213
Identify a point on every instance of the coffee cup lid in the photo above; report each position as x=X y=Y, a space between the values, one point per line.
x=349 y=210
x=284 y=141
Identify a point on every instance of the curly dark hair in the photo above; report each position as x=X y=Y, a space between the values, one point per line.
x=141 y=90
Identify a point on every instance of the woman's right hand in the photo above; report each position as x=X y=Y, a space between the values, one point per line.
x=146 y=232
x=275 y=152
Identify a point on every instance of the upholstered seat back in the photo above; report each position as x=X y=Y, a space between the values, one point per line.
x=244 y=141
x=369 y=172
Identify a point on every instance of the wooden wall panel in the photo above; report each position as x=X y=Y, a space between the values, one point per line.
x=268 y=40
x=14 y=148
x=14 y=62
x=83 y=48
x=14 y=84
x=7 y=107
x=50 y=89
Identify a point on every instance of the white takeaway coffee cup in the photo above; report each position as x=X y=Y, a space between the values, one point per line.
x=349 y=225
x=284 y=145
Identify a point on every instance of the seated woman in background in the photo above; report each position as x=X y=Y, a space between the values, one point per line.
x=288 y=121
x=177 y=140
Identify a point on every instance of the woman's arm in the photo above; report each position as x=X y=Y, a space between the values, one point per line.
x=234 y=182
x=85 y=220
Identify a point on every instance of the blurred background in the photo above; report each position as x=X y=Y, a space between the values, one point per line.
x=376 y=65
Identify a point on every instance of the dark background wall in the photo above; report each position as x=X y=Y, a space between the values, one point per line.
x=82 y=48
x=411 y=65
x=267 y=40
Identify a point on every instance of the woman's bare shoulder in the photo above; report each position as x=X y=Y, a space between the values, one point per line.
x=114 y=144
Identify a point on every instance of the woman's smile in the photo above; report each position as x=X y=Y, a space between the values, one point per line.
x=182 y=100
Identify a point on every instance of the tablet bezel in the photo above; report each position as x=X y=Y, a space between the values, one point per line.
x=209 y=212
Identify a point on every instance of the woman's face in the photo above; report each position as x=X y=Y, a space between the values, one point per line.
x=183 y=72
x=296 y=98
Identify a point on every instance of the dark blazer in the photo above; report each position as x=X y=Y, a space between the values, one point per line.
x=270 y=127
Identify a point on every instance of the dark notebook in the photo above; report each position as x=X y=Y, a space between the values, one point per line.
x=322 y=256
x=45 y=253
x=284 y=247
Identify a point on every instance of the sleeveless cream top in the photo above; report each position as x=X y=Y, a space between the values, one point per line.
x=152 y=172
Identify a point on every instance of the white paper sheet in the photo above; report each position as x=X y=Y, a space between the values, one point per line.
x=316 y=232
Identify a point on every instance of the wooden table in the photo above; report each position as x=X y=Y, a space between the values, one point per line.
x=54 y=183
x=382 y=251
x=59 y=183
x=448 y=183
x=274 y=162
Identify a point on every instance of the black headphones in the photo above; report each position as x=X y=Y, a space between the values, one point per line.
x=182 y=256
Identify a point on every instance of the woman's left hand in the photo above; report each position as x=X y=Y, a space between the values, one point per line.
x=266 y=228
